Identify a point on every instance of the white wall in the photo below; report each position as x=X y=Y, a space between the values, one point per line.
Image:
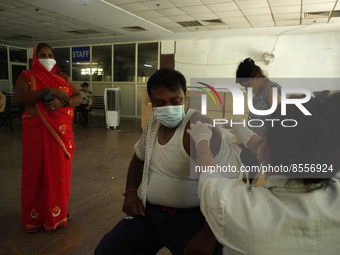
x=296 y=56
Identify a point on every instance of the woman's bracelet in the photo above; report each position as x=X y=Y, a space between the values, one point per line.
x=204 y=153
x=129 y=190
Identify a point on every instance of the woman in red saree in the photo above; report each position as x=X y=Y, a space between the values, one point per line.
x=50 y=97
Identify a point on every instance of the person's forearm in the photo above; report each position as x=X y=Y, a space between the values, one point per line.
x=76 y=100
x=204 y=157
x=135 y=173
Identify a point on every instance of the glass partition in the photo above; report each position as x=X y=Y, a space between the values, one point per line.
x=101 y=63
x=18 y=55
x=124 y=62
x=81 y=65
x=62 y=56
x=3 y=63
x=147 y=60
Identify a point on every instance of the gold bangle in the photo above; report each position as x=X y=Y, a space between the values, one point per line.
x=204 y=153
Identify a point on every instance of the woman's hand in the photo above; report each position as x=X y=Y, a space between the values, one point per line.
x=54 y=104
x=61 y=95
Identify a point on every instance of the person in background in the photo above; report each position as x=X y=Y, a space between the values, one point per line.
x=248 y=74
x=167 y=212
x=297 y=210
x=49 y=97
x=85 y=106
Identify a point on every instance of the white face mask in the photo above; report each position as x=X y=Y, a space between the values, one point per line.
x=169 y=116
x=48 y=63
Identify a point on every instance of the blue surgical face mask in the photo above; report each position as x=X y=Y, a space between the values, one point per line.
x=169 y=116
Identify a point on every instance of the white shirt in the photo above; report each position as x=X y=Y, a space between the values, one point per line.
x=278 y=218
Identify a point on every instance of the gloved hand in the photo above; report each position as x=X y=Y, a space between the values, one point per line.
x=243 y=134
x=200 y=131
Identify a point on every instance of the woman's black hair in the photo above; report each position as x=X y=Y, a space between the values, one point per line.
x=247 y=70
x=43 y=45
x=311 y=149
x=169 y=78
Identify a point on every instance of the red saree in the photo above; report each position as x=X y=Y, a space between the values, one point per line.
x=47 y=153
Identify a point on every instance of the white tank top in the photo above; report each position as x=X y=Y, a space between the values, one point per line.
x=170 y=183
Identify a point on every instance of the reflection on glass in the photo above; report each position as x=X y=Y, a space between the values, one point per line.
x=147 y=60
x=3 y=63
x=124 y=62
x=18 y=55
x=62 y=56
x=101 y=63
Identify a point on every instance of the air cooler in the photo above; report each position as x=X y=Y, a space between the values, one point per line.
x=112 y=107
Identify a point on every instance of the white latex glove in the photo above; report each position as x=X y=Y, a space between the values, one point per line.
x=243 y=134
x=200 y=131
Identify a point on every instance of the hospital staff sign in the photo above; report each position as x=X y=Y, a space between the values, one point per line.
x=81 y=54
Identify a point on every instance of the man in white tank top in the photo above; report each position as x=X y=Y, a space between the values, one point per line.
x=167 y=213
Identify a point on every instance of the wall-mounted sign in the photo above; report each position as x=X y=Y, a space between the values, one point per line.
x=80 y=54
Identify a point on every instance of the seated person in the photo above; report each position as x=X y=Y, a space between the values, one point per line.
x=167 y=213
x=85 y=107
x=297 y=210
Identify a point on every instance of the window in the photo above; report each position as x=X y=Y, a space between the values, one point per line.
x=18 y=55
x=147 y=60
x=101 y=63
x=81 y=63
x=62 y=56
x=3 y=63
x=124 y=62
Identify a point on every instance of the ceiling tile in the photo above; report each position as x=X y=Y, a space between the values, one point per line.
x=317 y=7
x=284 y=3
x=158 y=5
x=179 y=30
x=4 y=7
x=240 y=20
x=239 y=25
x=335 y=20
x=260 y=18
x=13 y=3
x=337 y=7
x=133 y=7
x=204 y=16
x=286 y=9
x=195 y=9
x=148 y=14
x=257 y=12
x=288 y=22
x=252 y=4
x=215 y=1
x=288 y=16
x=171 y=25
x=195 y=29
x=231 y=6
x=317 y=1
x=182 y=18
x=313 y=21
x=171 y=12
x=229 y=14
x=181 y=3
x=160 y=20
x=9 y=15
x=263 y=24
x=218 y=27
x=116 y=2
